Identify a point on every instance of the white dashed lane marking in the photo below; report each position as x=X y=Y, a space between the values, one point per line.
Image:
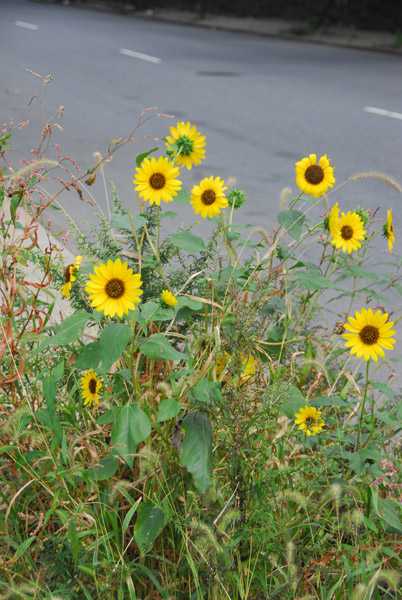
x=383 y=113
x=140 y=56
x=26 y=25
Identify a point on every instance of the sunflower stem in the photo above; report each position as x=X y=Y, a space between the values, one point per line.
x=363 y=406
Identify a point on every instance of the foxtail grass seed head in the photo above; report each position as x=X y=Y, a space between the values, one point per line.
x=379 y=177
x=336 y=493
x=360 y=592
x=286 y=193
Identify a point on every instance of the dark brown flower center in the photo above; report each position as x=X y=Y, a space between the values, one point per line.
x=347 y=232
x=310 y=421
x=369 y=335
x=208 y=197
x=157 y=181
x=391 y=228
x=115 y=288
x=67 y=274
x=314 y=174
x=92 y=386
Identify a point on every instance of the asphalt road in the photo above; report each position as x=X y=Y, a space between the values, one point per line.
x=262 y=103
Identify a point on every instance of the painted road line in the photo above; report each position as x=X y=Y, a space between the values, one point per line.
x=383 y=113
x=26 y=25
x=140 y=56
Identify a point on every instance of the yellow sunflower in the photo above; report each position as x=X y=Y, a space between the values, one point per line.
x=312 y=178
x=333 y=220
x=168 y=298
x=388 y=230
x=90 y=385
x=69 y=276
x=309 y=420
x=114 y=288
x=186 y=145
x=349 y=232
x=370 y=333
x=208 y=197
x=248 y=365
x=156 y=180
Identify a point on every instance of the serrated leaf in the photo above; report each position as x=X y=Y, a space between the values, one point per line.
x=157 y=347
x=188 y=241
x=196 y=450
x=124 y=222
x=314 y=281
x=67 y=332
x=131 y=427
x=150 y=520
x=292 y=220
x=140 y=157
x=182 y=197
x=168 y=409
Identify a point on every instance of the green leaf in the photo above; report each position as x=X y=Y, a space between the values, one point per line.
x=157 y=347
x=130 y=515
x=188 y=241
x=124 y=222
x=154 y=311
x=292 y=220
x=140 y=157
x=109 y=416
x=182 y=302
x=328 y=401
x=113 y=340
x=314 y=280
x=384 y=389
x=196 y=450
x=107 y=468
x=182 y=197
x=208 y=392
x=49 y=391
x=385 y=509
x=69 y=331
x=23 y=547
x=293 y=402
x=168 y=215
x=168 y=409
x=131 y=427
x=150 y=520
x=89 y=357
x=358 y=271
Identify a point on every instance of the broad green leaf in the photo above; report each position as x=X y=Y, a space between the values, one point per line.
x=386 y=510
x=140 y=157
x=196 y=450
x=293 y=402
x=107 y=468
x=358 y=271
x=123 y=222
x=384 y=389
x=208 y=392
x=150 y=520
x=182 y=197
x=188 y=241
x=113 y=340
x=89 y=357
x=155 y=312
x=168 y=215
x=183 y=301
x=168 y=409
x=157 y=347
x=314 y=280
x=292 y=220
x=109 y=416
x=327 y=401
x=67 y=332
x=131 y=427
x=49 y=391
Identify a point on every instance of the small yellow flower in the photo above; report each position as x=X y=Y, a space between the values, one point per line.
x=208 y=197
x=156 y=180
x=370 y=333
x=69 y=276
x=349 y=232
x=168 y=298
x=309 y=420
x=314 y=179
x=248 y=365
x=90 y=385
x=114 y=288
x=388 y=230
x=186 y=145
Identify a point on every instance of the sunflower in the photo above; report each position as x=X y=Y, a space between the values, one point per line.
x=314 y=179
x=208 y=197
x=349 y=232
x=90 y=385
x=186 y=145
x=309 y=420
x=248 y=365
x=114 y=288
x=370 y=333
x=69 y=276
x=156 y=180
x=388 y=230
x=168 y=298
x=333 y=220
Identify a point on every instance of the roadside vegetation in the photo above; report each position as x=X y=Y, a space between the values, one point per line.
x=210 y=417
